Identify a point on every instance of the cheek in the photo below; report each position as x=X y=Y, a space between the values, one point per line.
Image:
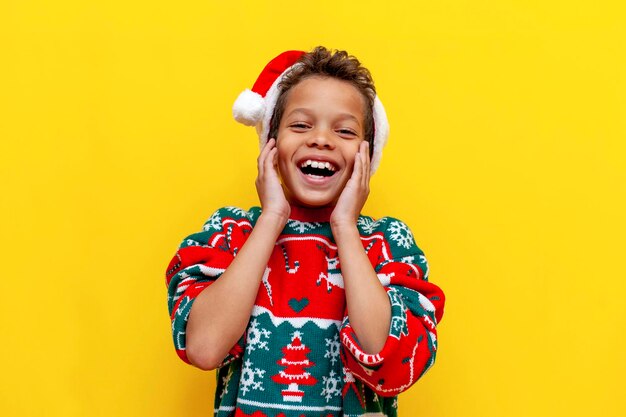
x=286 y=147
x=282 y=162
x=350 y=154
x=349 y=168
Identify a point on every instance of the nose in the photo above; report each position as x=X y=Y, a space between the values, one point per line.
x=321 y=138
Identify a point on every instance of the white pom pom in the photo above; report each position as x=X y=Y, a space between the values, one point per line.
x=249 y=108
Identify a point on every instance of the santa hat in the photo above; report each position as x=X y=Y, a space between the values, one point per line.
x=255 y=107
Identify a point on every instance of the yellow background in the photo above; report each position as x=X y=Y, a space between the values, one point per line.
x=506 y=158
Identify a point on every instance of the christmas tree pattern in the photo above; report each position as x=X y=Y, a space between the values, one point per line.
x=295 y=361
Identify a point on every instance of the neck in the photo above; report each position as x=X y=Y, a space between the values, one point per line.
x=311 y=214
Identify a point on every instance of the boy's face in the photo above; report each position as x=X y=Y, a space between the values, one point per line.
x=318 y=138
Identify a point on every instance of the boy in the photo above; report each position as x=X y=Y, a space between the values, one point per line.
x=304 y=306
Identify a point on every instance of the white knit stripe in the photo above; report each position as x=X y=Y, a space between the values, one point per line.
x=183 y=285
x=186 y=282
x=287 y=407
x=426 y=303
x=297 y=322
x=223 y=408
x=365 y=415
x=210 y=271
x=216 y=238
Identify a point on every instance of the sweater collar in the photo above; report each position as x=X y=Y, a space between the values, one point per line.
x=311 y=214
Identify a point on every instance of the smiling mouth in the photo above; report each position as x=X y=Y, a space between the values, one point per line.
x=317 y=169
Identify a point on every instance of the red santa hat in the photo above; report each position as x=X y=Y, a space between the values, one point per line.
x=255 y=107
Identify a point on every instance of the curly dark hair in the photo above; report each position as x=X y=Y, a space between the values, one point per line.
x=326 y=63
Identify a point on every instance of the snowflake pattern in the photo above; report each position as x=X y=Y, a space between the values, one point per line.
x=331 y=386
x=257 y=338
x=191 y=242
x=368 y=225
x=302 y=227
x=249 y=376
x=237 y=211
x=214 y=222
x=400 y=234
x=332 y=349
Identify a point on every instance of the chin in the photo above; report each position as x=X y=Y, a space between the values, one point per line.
x=310 y=201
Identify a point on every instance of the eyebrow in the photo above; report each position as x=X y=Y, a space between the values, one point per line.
x=308 y=112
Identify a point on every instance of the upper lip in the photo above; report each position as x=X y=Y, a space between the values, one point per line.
x=318 y=158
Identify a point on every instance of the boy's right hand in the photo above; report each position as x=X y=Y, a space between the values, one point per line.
x=268 y=186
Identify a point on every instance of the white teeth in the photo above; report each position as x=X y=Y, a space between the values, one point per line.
x=318 y=164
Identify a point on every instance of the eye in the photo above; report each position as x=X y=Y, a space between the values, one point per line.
x=299 y=126
x=347 y=132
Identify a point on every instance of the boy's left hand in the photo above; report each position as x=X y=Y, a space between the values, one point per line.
x=356 y=191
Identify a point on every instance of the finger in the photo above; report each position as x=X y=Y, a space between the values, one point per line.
x=274 y=160
x=270 y=162
x=356 y=172
x=263 y=156
x=366 y=165
x=361 y=156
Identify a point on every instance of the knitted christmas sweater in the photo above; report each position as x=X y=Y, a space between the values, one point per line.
x=299 y=355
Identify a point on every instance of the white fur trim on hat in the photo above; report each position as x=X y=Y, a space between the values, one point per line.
x=249 y=108
x=381 y=133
